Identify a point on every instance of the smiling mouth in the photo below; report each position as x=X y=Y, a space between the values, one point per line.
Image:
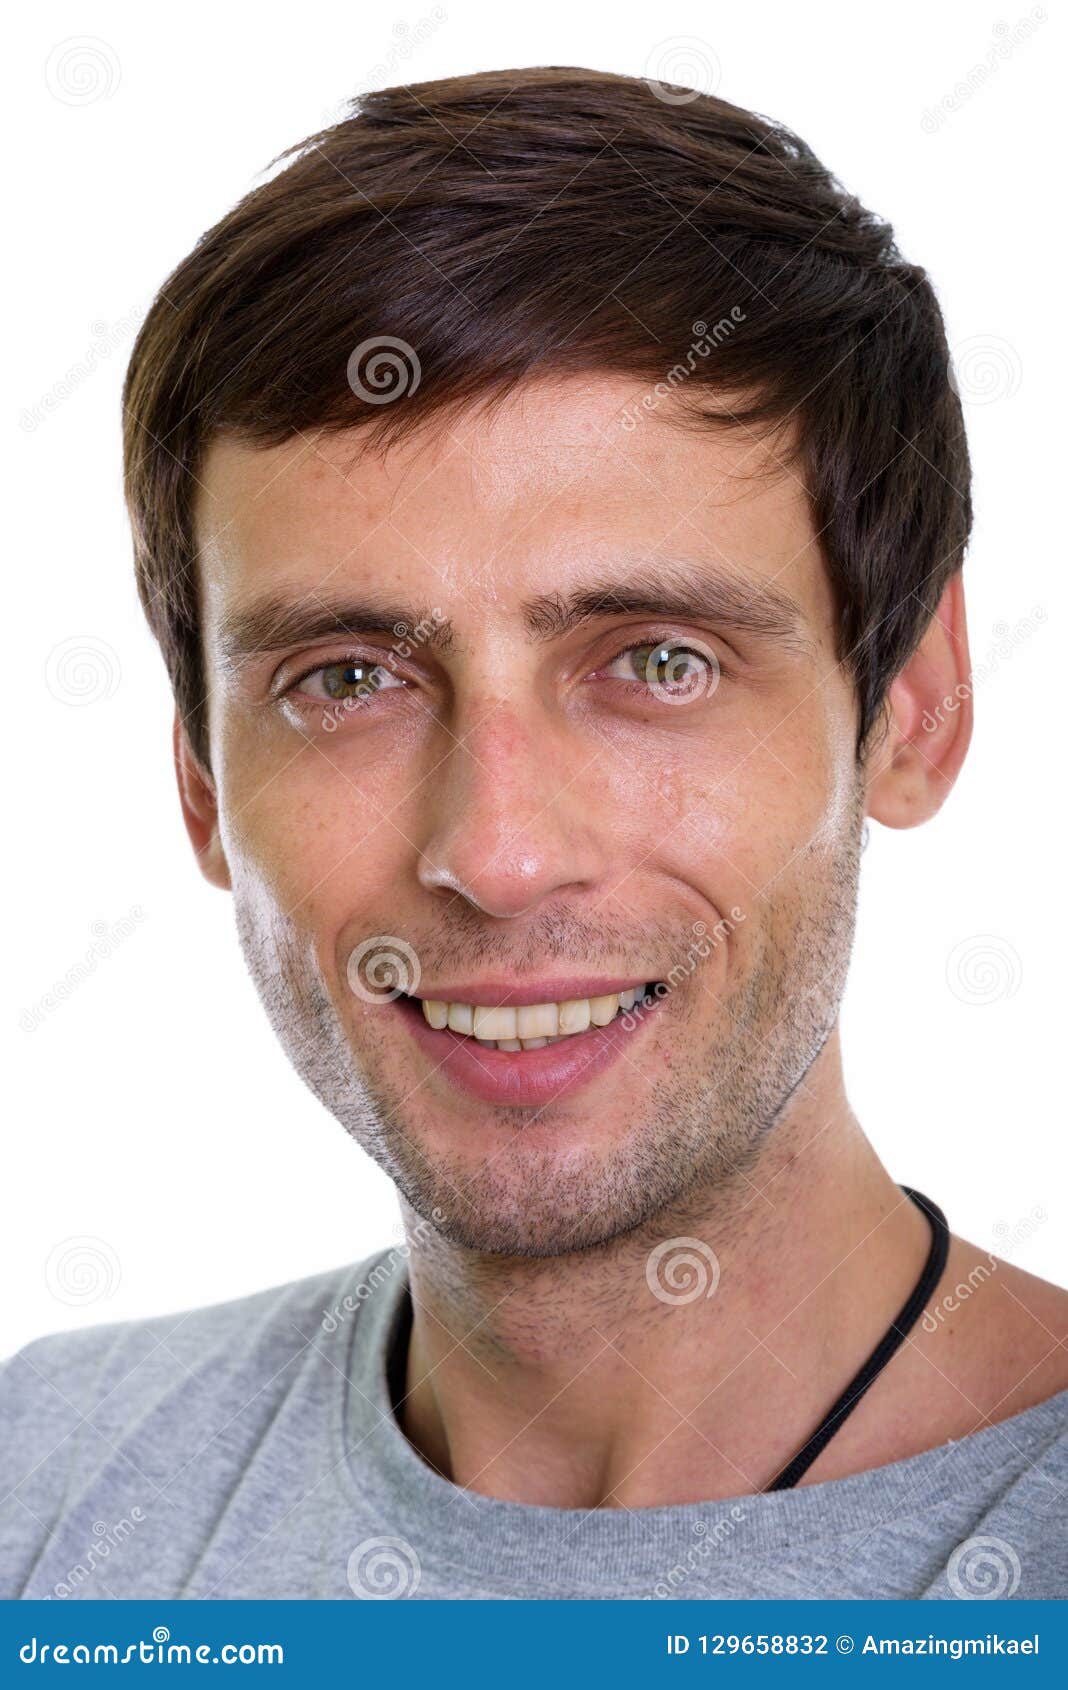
x=534 y=1026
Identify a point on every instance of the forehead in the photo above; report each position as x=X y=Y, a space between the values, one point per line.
x=558 y=478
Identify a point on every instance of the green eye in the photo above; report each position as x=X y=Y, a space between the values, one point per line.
x=352 y=680
x=658 y=664
x=674 y=669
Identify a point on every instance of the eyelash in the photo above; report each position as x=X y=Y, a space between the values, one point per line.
x=349 y=660
x=674 y=641
x=696 y=648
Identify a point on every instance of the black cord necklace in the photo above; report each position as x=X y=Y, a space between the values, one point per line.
x=886 y=1348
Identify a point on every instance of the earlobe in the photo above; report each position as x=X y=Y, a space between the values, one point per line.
x=200 y=811
x=917 y=756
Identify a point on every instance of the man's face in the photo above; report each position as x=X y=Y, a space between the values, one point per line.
x=589 y=734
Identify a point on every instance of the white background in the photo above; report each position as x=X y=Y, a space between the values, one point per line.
x=153 y=1115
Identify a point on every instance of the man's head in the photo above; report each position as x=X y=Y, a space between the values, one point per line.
x=550 y=502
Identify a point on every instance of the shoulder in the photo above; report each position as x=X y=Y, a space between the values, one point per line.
x=83 y=1365
x=149 y=1393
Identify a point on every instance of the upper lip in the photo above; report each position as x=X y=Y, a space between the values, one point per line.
x=500 y=994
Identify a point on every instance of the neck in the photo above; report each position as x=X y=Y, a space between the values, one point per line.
x=572 y=1382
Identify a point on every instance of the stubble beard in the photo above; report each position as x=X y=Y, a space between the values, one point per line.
x=692 y=1146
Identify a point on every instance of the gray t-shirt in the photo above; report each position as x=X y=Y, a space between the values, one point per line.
x=250 y=1450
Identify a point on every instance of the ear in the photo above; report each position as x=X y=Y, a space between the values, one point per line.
x=927 y=722
x=200 y=810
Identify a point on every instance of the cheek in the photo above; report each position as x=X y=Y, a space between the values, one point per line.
x=309 y=844
x=732 y=820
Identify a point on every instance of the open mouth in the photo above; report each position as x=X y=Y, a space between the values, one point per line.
x=528 y=1054
x=534 y=1026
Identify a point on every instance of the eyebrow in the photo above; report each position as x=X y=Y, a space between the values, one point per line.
x=671 y=591
x=676 y=592
x=275 y=624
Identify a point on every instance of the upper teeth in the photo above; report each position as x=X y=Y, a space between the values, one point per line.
x=529 y=1025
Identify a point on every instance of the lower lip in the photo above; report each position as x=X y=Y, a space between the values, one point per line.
x=523 y=1078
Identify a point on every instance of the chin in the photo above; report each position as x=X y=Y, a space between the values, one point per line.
x=565 y=1194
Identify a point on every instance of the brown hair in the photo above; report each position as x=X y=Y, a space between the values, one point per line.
x=515 y=224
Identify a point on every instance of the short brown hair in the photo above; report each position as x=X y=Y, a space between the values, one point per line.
x=515 y=224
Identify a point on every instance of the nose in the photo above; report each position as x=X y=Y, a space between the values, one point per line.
x=507 y=821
